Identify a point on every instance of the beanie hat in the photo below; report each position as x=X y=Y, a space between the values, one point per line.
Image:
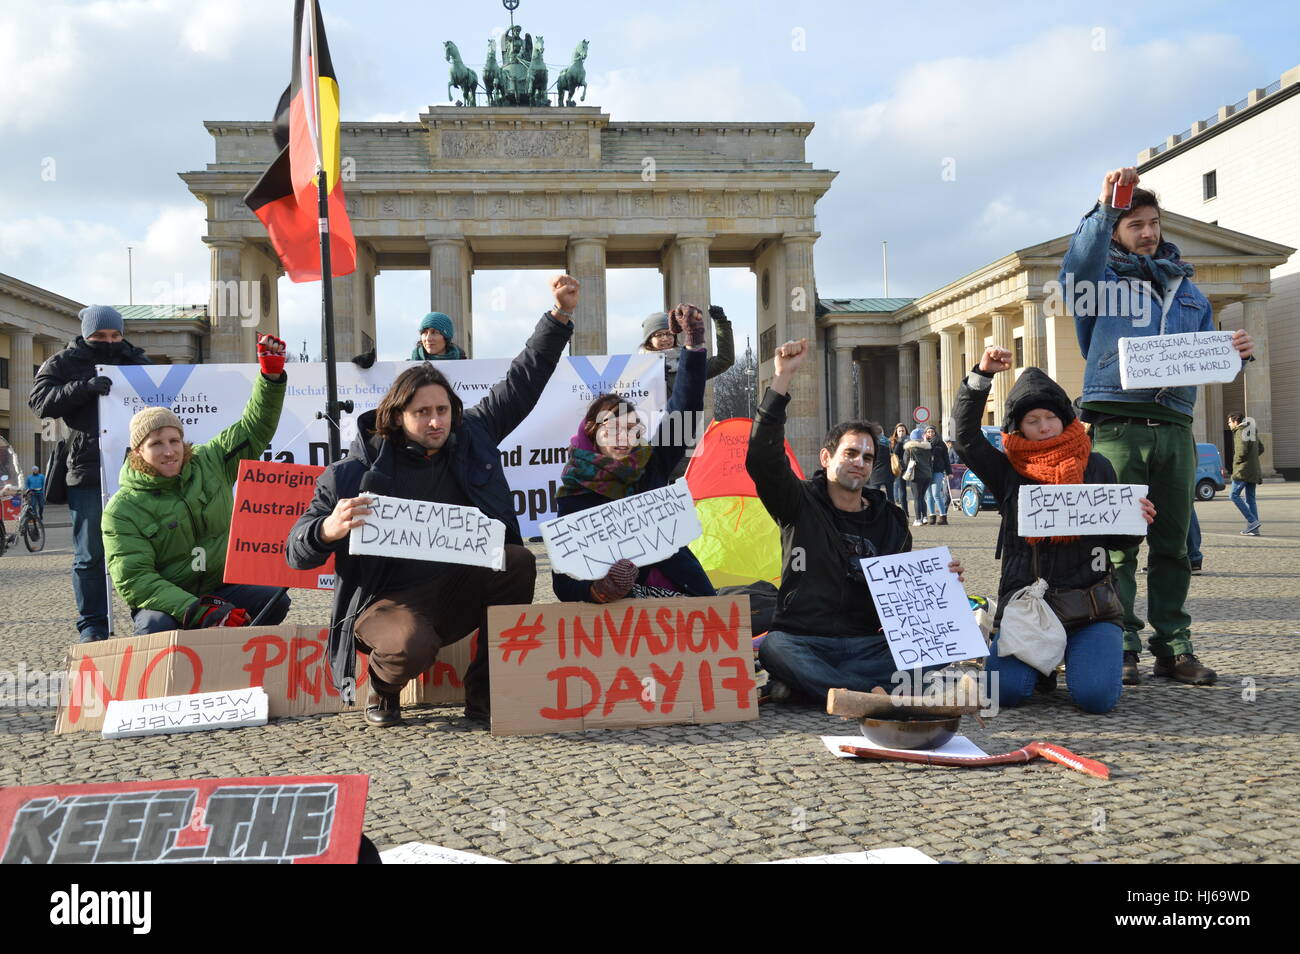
x=440 y=323
x=100 y=318
x=656 y=322
x=1034 y=389
x=149 y=420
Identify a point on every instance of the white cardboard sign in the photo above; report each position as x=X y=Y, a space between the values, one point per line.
x=1162 y=361
x=644 y=528
x=1055 y=510
x=422 y=530
x=419 y=853
x=197 y=712
x=923 y=608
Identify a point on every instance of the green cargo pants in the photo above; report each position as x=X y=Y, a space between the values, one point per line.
x=1162 y=456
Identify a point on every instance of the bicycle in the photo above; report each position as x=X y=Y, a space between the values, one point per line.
x=29 y=526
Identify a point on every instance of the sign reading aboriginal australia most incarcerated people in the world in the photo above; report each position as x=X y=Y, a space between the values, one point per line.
x=565 y=667
x=1163 y=361
x=269 y=498
x=422 y=530
x=1055 y=510
x=644 y=528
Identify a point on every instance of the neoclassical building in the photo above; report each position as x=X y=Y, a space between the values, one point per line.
x=912 y=353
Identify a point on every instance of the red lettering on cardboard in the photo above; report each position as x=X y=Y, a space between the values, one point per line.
x=562 y=709
x=626 y=686
x=742 y=683
x=706 y=686
x=670 y=684
x=196 y=666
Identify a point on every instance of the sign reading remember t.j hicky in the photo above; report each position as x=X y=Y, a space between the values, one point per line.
x=923 y=608
x=1162 y=361
x=423 y=530
x=1054 y=510
x=644 y=528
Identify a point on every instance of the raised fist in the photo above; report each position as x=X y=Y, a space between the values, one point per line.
x=616 y=583
x=270 y=355
x=688 y=320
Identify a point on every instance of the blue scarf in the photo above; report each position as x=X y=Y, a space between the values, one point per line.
x=1158 y=269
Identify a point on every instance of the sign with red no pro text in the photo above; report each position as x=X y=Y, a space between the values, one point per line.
x=269 y=499
x=566 y=667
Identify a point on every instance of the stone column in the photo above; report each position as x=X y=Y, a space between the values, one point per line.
x=1257 y=377
x=1002 y=338
x=23 y=423
x=449 y=280
x=973 y=336
x=864 y=409
x=843 y=377
x=928 y=360
x=1035 y=353
x=949 y=379
x=587 y=265
x=805 y=412
x=227 y=334
x=908 y=395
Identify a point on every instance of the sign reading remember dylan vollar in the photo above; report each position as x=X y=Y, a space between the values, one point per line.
x=1055 y=510
x=566 y=667
x=923 y=608
x=644 y=528
x=1162 y=361
x=422 y=530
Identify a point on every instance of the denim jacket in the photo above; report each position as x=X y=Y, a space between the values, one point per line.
x=1107 y=307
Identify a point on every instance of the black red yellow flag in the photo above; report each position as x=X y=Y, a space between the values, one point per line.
x=285 y=199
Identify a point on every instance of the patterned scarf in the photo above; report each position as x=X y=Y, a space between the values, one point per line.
x=590 y=470
x=1157 y=269
x=1058 y=460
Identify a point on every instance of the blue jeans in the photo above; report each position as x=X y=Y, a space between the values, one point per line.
x=250 y=598
x=89 y=585
x=1194 y=538
x=1094 y=656
x=814 y=665
x=1240 y=489
x=900 y=495
x=936 y=495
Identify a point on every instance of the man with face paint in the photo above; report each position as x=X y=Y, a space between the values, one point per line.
x=68 y=385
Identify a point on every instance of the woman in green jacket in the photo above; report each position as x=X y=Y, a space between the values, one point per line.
x=165 y=530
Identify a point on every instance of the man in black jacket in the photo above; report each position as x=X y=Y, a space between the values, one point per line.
x=421 y=444
x=826 y=633
x=69 y=386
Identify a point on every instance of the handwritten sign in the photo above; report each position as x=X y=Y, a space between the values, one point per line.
x=1055 y=510
x=923 y=608
x=423 y=530
x=566 y=667
x=644 y=528
x=419 y=853
x=127 y=718
x=297 y=819
x=269 y=498
x=1162 y=361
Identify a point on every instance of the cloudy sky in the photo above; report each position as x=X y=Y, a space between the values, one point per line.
x=1025 y=105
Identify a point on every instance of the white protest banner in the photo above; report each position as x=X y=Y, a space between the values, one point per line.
x=1162 y=361
x=644 y=528
x=1067 y=510
x=923 y=608
x=210 y=397
x=423 y=530
x=196 y=712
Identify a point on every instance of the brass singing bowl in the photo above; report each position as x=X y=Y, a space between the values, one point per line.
x=918 y=732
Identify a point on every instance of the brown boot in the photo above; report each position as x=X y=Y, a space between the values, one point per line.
x=1131 y=675
x=943 y=520
x=383 y=709
x=1185 y=668
x=933 y=519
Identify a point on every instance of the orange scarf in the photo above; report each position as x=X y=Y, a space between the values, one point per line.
x=1058 y=460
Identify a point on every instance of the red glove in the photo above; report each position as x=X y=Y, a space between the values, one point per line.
x=209 y=611
x=270 y=355
x=236 y=617
x=616 y=583
x=688 y=320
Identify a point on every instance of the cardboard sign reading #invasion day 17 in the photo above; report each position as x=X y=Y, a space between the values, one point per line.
x=1164 y=361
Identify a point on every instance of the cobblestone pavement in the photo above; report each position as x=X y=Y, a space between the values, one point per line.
x=1198 y=774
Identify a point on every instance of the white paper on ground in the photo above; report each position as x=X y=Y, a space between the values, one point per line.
x=195 y=712
x=418 y=853
x=958 y=746
x=876 y=856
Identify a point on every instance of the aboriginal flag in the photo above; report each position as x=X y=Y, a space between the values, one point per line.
x=285 y=198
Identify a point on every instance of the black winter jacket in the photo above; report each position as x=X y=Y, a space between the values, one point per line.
x=1063 y=565
x=476 y=465
x=60 y=390
x=819 y=590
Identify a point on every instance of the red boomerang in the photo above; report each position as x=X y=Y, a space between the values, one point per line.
x=1033 y=750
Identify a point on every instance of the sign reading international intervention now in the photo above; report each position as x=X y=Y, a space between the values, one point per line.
x=1054 y=510
x=644 y=528
x=1162 y=361
x=423 y=530
x=923 y=608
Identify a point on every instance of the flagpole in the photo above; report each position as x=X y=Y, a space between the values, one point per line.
x=332 y=407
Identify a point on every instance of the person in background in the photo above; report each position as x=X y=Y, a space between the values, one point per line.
x=936 y=499
x=882 y=477
x=36 y=484
x=69 y=386
x=918 y=469
x=1246 y=473
x=656 y=336
x=897 y=448
x=435 y=344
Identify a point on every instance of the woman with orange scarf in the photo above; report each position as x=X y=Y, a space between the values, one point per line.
x=1043 y=443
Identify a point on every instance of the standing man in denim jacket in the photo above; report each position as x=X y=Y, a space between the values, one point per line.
x=1122 y=280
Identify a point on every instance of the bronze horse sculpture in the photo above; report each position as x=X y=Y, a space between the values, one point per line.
x=573 y=76
x=462 y=76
